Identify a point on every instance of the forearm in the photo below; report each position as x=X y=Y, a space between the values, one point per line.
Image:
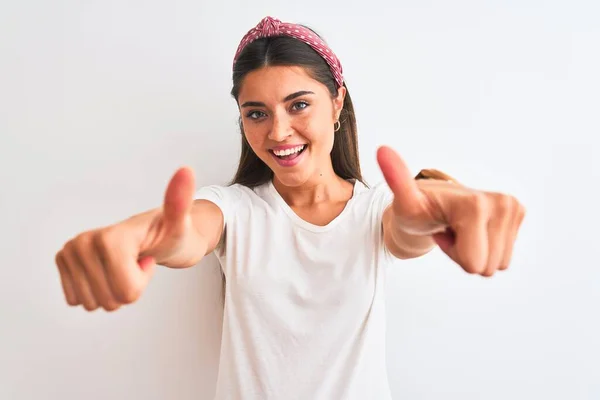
x=180 y=244
x=401 y=244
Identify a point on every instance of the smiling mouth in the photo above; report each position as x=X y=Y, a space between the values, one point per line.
x=289 y=154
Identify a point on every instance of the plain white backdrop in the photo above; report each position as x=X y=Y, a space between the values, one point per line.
x=101 y=101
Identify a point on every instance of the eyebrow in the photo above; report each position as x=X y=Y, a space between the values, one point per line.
x=287 y=98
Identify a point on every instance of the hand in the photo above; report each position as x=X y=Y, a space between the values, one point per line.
x=111 y=266
x=476 y=229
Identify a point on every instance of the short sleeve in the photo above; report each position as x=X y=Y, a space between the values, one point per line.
x=224 y=197
x=383 y=197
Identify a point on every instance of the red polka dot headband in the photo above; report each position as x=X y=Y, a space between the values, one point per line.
x=273 y=27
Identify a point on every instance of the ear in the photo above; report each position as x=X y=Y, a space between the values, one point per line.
x=338 y=103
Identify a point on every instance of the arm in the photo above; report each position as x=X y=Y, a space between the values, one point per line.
x=111 y=265
x=185 y=229
x=188 y=243
x=207 y=219
x=476 y=229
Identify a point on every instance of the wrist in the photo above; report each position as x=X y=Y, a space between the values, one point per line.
x=401 y=243
x=404 y=244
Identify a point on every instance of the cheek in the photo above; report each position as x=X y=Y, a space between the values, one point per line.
x=319 y=133
x=254 y=137
x=256 y=140
x=315 y=129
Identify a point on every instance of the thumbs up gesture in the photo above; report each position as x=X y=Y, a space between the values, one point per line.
x=111 y=266
x=476 y=229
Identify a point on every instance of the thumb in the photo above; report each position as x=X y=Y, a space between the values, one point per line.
x=399 y=179
x=179 y=196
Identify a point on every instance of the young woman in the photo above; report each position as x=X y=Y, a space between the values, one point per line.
x=303 y=242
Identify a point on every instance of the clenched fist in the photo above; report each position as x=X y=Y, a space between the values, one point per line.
x=110 y=266
x=476 y=229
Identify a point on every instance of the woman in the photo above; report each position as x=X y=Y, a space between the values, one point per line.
x=303 y=242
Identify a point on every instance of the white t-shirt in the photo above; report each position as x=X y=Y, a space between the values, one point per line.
x=304 y=313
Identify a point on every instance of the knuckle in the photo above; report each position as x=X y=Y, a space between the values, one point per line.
x=59 y=258
x=505 y=204
x=84 y=239
x=84 y=242
x=128 y=294
x=75 y=247
x=103 y=239
x=68 y=256
x=78 y=241
x=69 y=248
x=479 y=202
x=80 y=247
x=521 y=211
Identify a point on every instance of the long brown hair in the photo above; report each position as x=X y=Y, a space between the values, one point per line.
x=288 y=51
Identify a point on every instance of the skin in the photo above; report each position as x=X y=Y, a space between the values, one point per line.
x=476 y=229
x=110 y=266
x=311 y=188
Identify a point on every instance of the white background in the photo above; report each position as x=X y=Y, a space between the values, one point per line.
x=101 y=101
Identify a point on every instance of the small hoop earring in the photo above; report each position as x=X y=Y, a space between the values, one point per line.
x=338 y=127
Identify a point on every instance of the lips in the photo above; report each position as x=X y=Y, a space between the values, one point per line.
x=288 y=160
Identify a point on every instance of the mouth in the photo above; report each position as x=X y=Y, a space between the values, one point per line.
x=288 y=157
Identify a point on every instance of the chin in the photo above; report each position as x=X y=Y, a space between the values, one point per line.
x=291 y=180
x=289 y=177
x=290 y=173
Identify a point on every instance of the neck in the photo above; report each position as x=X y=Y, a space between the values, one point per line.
x=324 y=186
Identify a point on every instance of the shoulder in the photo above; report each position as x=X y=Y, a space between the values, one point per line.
x=378 y=195
x=228 y=197
x=219 y=192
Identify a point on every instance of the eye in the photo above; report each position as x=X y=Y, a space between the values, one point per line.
x=255 y=114
x=300 y=105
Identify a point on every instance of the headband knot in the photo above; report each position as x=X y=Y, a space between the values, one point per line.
x=269 y=27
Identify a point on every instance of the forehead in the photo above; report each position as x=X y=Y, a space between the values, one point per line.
x=276 y=82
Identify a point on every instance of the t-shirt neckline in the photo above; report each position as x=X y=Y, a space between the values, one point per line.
x=305 y=224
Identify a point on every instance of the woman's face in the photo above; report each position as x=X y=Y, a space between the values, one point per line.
x=288 y=119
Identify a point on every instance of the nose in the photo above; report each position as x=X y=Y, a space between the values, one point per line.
x=281 y=129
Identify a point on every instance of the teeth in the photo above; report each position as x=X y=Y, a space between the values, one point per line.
x=287 y=152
